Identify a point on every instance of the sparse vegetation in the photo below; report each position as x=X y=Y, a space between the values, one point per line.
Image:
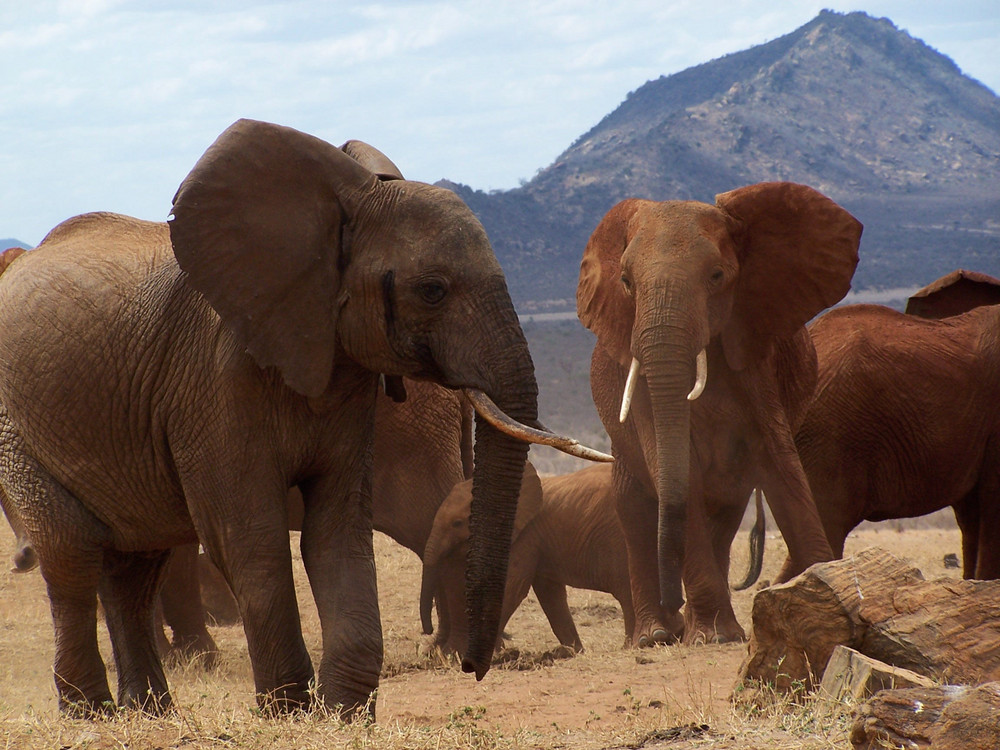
x=537 y=696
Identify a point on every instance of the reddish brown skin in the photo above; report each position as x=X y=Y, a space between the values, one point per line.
x=906 y=421
x=661 y=282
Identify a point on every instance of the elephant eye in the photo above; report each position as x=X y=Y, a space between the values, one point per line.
x=432 y=291
x=717 y=276
x=628 y=285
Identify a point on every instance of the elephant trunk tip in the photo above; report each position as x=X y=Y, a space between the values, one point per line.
x=480 y=667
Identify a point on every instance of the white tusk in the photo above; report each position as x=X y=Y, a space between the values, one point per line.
x=701 y=375
x=633 y=373
x=488 y=410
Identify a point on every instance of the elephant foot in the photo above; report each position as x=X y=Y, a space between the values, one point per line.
x=700 y=632
x=151 y=703
x=655 y=633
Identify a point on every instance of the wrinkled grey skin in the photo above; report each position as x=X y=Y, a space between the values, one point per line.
x=423 y=447
x=161 y=384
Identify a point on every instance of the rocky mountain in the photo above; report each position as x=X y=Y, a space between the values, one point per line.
x=11 y=242
x=847 y=103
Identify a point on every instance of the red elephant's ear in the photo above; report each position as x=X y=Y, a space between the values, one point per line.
x=797 y=255
x=954 y=294
x=601 y=302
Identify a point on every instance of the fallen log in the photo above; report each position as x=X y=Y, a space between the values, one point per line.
x=881 y=606
x=851 y=677
x=946 y=717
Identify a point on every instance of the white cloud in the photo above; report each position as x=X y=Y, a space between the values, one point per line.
x=107 y=103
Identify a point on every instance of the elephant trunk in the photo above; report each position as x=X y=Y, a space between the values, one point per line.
x=434 y=550
x=669 y=339
x=496 y=486
x=669 y=375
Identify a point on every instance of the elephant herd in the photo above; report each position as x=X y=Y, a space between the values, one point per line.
x=313 y=342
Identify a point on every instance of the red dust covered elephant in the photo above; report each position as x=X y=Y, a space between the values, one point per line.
x=701 y=373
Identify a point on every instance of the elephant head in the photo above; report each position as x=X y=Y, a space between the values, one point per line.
x=449 y=538
x=954 y=294
x=313 y=262
x=660 y=281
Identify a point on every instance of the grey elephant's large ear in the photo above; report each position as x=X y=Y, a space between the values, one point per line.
x=954 y=294
x=257 y=226
x=372 y=159
x=797 y=252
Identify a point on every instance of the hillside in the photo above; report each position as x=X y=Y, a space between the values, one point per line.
x=11 y=242
x=849 y=104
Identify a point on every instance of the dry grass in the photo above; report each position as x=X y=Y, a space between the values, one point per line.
x=535 y=697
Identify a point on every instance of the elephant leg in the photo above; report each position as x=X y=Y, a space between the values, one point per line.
x=69 y=542
x=708 y=615
x=637 y=512
x=128 y=589
x=180 y=598
x=251 y=549
x=967 y=517
x=162 y=642
x=552 y=598
x=987 y=500
x=724 y=524
x=339 y=557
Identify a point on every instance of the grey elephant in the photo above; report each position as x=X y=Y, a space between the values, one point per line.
x=162 y=383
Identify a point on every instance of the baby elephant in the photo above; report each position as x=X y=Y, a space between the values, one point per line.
x=566 y=533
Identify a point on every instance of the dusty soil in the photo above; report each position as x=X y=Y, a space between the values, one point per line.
x=535 y=696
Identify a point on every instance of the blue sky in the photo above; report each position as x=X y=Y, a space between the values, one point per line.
x=107 y=104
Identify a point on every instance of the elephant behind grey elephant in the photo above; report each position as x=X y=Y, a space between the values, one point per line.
x=566 y=533
x=166 y=383
x=905 y=420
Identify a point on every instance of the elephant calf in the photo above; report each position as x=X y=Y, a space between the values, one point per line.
x=566 y=533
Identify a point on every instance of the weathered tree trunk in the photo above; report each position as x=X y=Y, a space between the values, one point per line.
x=851 y=677
x=881 y=606
x=948 y=717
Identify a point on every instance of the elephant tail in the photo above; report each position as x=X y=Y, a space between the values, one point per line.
x=756 y=545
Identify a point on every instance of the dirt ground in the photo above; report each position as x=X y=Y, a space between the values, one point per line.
x=535 y=696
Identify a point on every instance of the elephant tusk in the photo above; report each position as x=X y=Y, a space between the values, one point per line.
x=633 y=372
x=701 y=375
x=489 y=411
